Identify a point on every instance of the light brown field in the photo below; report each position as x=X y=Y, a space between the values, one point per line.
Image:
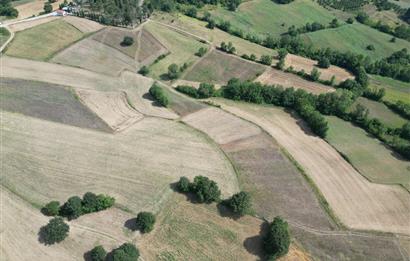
x=34 y=8
x=113 y=37
x=275 y=77
x=82 y=24
x=221 y=126
x=358 y=203
x=96 y=56
x=111 y=107
x=150 y=48
x=301 y=63
x=31 y=23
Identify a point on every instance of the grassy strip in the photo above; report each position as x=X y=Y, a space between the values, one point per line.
x=29 y=201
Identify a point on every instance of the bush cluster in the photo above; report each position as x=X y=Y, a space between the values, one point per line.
x=205 y=90
x=145 y=221
x=159 y=95
x=55 y=231
x=206 y=190
x=240 y=203
x=276 y=242
x=125 y=252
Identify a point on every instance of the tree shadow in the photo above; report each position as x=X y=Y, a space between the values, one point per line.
x=87 y=256
x=154 y=102
x=191 y=197
x=165 y=77
x=300 y=122
x=254 y=244
x=131 y=224
x=224 y=211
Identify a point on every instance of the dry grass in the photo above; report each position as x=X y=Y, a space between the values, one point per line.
x=113 y=37
x=95 y=56
x=34 y=8
x=43 y=41
x=301 y=63
x=358 y=203
x=111 y=107
x=31 y=23
x=277 y=77
x=150 y=48
x=82 y=24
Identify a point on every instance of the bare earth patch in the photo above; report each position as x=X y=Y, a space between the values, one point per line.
x=111 y=107
x=82 y=24
x=301 y=63
x=276 y=77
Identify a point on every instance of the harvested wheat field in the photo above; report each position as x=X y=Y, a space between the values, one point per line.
x=26 y=24
x=21 y=223
x=45 y=161
x=111 y=107
x=301 y=63
x=113 y=37
x=221 y=126
x=358 y=203
x=95 y=56
x=150 y=48
x=82 y=24
x=276 y=77
x=34 y=8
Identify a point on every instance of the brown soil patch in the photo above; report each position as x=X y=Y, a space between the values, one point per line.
x=112 y=107
x=82 y=24
x=150 y=48
x=301 y=63
x=287 y=80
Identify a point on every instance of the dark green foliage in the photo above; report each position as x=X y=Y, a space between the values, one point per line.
x=405 y=131
x=48 y=8
x=127 y=41
x=52 y=208
x=323 y=62
x=206 y=190
x=98 y=253
x=104 y=202
x=315 y=75
x=72 y=209
x=281 y=64
x=228 y=48
x=55 y=231
x=183 y=185
x=201 y=52
x=283 y=1
x=370 y=47
x=276 y=242
x=334 y=23
x=374 y=94
x=188 y=90
x=350 y=20
x=400 y=107
x=266 y=59
x=240 y=203
x=6 y=9
x=145 y=221
x=192 y=12
x=173 y=71
x=211 y=24
x=206 y=90
x=144 y=70
x=159 y=95
x=89 y=202
x=335 y=103
x=362 y=17
x=126 y=252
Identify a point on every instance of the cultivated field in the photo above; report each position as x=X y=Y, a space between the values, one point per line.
x=181 y=104
x=26 y=24
x=4 y=36
x=34 y=8
x=395 y=90
x=182 y=48
x=218 y=67
x=149 y=48
x=47 y=101
x=267 y=17
x=301 y=63
x=95 y=56
x=43 y=41
x=114 y=36
x=43 y=160
x=382 y=112
x=376 y=162
x=355 y=38
x=82 y=24
x=358 y=203
x=276 y=77
x=111 y=107
x=215 y=36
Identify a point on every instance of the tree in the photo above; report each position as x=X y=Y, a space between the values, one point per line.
x=183 y=185
x=277 y=241
x=98 y=253
x=334 y=23
x=145 y=221
x=52 y=208
x=89 y=202
x=350 y=20
x=205 y=189
x=240 y=203
x=206 y=90
x=211 y=24
x=72 y=209
x=144 y=70
x=126 y=252
x=104 y=202
x=192 y=12
x=405 y=131
x=281 y=64
x=173 y=71
x=266 y=59
x=315 y=74
x=323 y=62
x=55 y=231
x=127 y=41
x=370 y=47
x=48 y=8
x=201 y=52
x=159 y=95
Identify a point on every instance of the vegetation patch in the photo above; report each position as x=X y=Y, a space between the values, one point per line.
x=395 y=90
x=114 y=38
x=4 y=35
x=43 y=41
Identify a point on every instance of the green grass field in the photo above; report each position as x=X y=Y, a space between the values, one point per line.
x=382 y=112
x=4 y=35
x=218 y=67
x=367 y=154
x=182 y=48
x=355 y=38
x=395 y=90
x=265 y=16
x=43 y=41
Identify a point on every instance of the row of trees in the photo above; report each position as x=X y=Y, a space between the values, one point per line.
x=125 y=252
x=205 y=90
x=312 y=27
x=75 y=206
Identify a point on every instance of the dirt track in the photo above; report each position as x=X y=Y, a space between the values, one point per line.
x=357 y=202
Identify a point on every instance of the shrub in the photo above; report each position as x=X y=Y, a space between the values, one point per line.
x=183 y=185
x=405 y=131
x=144 y=70
x=350 y=20
x=277 y=241
x=145 y=221
x=55 y=231
x=370 y=47
x=323 y=62
x=89 y=202
x=205 y=189
x=98 y=253
x=127 y=41
x=48 y=8
x=52 y=208
x=72 y=209
x=192 y=12
x=173 y=71
x=158 y=93
x=206 y=90
x=188 y=90
x=211 y=24
x=240 y=203
x=266 y=59
x=201 y=52
x=315 y=74
x=126 y=252
x=104 y=202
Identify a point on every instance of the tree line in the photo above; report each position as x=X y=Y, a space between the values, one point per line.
x=6 y=9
